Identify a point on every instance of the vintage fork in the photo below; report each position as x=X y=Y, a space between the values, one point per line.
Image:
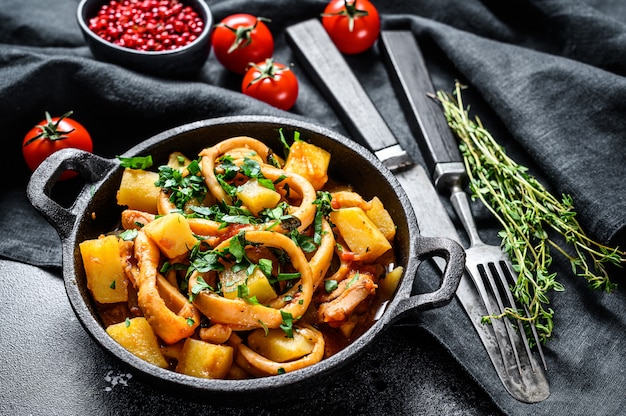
x=487 y=265
x=492 y=273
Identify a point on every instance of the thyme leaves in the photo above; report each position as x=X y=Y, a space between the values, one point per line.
x=529 y=215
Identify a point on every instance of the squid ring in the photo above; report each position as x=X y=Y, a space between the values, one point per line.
x=319 y=263
x=260 y=366
x=135 y=219
x=241 y=315
x=210 y=155
x=170 y=326
x=306 y=211
x=164 y=205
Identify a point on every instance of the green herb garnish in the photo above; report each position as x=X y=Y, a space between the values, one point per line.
x=128 y=235
x=137 y=162
x=182 y=188
x=528 y=213
x=330 y=285
x=287 y=324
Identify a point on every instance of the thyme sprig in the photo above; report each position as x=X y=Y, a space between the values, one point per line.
x=529 y=214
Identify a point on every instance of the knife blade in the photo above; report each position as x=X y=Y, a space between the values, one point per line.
x=334 y=78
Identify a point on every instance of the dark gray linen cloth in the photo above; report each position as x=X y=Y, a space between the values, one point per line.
x=546 y=77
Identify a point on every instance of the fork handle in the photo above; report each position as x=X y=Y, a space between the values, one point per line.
x=461 y=205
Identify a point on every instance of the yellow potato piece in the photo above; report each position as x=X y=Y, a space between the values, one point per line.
x=257 y=283
x=203 y=359
x=106 y=278
x=172 y=234
x=388 y=284
x=178 y=161
x=257 y=197
x=137 y=336
x=361 y=235
x=276 y=346
x=381 y=217
x=237 y=373
x=310 y=161
x=137 y=190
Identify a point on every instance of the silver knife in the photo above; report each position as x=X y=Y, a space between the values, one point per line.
x=330 y=72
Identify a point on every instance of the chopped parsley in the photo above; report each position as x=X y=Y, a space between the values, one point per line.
x=128 y=235
x=182 y=189
x=324 y=208
x=199 y=287
x=137 y=162
x=305 y=242
x=266 y=266
x=283 y=140
x=249 y=168
x=243 y=292
x=330 y=285
x=287 y=324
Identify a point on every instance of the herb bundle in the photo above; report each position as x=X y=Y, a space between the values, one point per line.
x=528 y=213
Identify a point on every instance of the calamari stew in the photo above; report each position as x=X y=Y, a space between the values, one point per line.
x=238 y=263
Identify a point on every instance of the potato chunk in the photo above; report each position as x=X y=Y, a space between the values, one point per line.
x=203 y=359
x=388 y=284
x=360 y=233
x=137 y=336
x=276 y=346
x=172 y=234
x=380 y=216
x=103 y=263
x=257 y=197
x=310 y=161
x=257 y=284
x=137 y=190
x=178 y=161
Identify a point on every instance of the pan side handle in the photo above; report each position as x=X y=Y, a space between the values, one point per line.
x=454 y=257
x=90 y=167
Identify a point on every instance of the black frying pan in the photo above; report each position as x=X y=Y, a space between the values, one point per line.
x=95 y=211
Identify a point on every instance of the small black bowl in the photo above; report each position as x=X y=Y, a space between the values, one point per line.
x=184 y=61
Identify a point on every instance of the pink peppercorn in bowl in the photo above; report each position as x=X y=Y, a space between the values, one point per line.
x=159 y=37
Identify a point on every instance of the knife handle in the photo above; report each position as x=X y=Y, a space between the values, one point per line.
x=331 y=73
x=412 y=82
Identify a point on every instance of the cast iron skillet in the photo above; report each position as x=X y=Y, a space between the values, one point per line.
x=95 y=212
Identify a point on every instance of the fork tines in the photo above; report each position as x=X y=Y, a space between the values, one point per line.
x=497 y=276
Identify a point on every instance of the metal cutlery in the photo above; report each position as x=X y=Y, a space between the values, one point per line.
x=332 y=75
x=488 y=265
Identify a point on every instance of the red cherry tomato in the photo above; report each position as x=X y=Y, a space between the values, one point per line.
x=353 y=25
x=241 y=39
x=271 y=82
x=52 y=134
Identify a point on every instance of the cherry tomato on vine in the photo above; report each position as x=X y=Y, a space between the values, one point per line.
x=353 y=25
x=52 y=134
x=241 y=39
x=271 y=82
